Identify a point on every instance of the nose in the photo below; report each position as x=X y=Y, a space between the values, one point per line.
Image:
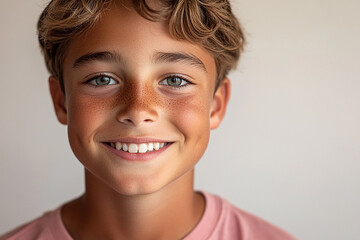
x=138 y=108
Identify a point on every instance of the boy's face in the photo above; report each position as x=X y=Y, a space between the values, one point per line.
x=126 y=80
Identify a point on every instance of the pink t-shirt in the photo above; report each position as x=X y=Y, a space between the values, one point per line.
x=221 y=220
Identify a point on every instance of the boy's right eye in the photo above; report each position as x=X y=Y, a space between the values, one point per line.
x=102 y=80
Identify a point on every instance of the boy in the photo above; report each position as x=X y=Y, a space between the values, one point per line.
x=139 y=85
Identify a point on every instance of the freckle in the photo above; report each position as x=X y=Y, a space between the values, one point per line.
x=137 y=96
x=150 y=96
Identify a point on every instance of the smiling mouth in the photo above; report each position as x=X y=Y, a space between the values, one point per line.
x=137 y=148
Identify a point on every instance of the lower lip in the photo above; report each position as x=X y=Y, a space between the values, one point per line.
x=137 y=156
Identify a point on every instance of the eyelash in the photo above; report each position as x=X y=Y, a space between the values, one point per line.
x=183 y=79
x=111 y=79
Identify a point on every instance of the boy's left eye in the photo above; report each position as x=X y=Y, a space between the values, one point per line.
x=102 y=81
x=174 y=81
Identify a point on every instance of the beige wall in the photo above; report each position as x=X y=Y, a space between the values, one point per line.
x=288 y=151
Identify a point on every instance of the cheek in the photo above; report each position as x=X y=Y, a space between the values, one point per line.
x=85 y=115
x=190 y=115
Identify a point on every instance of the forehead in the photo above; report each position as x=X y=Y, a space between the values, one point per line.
x=121 y=29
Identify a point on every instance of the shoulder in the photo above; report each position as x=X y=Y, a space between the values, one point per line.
x=230 y=222
x=48 y=226
x=249 y=225
x=32 y=230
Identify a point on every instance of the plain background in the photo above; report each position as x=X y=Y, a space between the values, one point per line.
x=289 y=147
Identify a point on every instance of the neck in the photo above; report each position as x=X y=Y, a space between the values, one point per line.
x=102 y=213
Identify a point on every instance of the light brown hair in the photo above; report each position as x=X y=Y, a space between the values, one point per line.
x=208 y=23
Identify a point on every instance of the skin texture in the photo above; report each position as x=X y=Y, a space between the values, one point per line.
x=151 y=199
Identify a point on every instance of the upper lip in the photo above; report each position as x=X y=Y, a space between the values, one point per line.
x=138 y=140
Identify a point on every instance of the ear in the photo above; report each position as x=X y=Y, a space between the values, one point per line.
x=219 y=104
x=58 y=98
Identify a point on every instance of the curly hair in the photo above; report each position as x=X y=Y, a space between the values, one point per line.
x=207 y=23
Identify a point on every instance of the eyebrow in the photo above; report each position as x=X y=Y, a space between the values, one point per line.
x=105 y=56
x=168 y=57
x=159 y=57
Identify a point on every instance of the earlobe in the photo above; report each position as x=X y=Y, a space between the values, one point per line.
x=58 y=99
x=219 y=104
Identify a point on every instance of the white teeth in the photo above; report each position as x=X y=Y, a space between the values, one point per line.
x=137 y=148
x=156 y=146
x=125 y=147
x=143 y=148
x=118 y=145
x=133 y=148
x=150 y=147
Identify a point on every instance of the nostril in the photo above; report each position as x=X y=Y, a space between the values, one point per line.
x=135 y=120
x=137 y=117
x=127 y=120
